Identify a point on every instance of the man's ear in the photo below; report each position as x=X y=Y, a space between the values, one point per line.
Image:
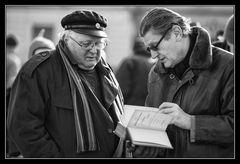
x=177 y=31
x=66 y=38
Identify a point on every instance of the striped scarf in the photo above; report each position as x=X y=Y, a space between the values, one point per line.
x=76 y=85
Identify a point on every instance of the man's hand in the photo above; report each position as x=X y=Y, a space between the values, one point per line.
x=180 y=118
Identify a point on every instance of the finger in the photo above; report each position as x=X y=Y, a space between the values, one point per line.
x=168 y=110
x=166 y=105
x=164 y=110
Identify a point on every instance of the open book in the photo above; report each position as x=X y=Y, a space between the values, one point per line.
x=144 y=126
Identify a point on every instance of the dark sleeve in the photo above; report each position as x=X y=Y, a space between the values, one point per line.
x=26 y=115
x=124 y=78
x=219 y=129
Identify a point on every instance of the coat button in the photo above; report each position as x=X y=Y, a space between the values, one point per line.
x=191 y=81
x=171 y=76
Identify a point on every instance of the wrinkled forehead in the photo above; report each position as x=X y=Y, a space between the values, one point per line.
x=151 y=37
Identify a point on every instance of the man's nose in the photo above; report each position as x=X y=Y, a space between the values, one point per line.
x=93 y=49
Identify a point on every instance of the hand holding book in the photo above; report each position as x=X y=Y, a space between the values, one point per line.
x=144 y=126
x=179 y=117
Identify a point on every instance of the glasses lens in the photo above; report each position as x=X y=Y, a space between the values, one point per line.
x=87 y=45
x=100 y=45
x=90 y=44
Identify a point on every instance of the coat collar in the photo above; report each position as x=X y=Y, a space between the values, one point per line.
x=201 y=55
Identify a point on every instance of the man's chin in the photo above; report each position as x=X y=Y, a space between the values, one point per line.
x=87 y=67
x=168 y=65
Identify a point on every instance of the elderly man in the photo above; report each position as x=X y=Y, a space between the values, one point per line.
x=194 y=83
x=67 y=102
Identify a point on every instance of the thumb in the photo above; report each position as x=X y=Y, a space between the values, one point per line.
x=164 y=105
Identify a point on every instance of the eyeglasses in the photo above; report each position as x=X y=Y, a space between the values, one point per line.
x=155 y=48
x=89 y=44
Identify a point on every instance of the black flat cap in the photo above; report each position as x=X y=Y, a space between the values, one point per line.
x=85 y=22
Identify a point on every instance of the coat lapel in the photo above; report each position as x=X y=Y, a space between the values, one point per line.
x=201 y=57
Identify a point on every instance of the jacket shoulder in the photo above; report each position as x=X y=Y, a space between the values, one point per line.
x=222 y=54
x=35 y=62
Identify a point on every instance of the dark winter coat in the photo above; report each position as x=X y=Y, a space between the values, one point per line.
x=205 y=91
x=41 y=115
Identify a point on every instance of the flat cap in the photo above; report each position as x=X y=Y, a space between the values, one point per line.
x=85 y=22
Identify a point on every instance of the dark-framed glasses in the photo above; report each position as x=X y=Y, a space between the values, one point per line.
x=90 y=44
x=155 y=48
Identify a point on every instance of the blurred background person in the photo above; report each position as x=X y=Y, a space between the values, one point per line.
x=195 y=23
x=229 y=33
x=227 y=41
x=133 y=72
x=221 y=44
x=13 y=61
x=13 y=65
x=40 y=44
x=219 y=35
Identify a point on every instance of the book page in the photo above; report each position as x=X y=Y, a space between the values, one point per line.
x=149 y=120
x=149 y=138
x=130 y=109
x=145 y=125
